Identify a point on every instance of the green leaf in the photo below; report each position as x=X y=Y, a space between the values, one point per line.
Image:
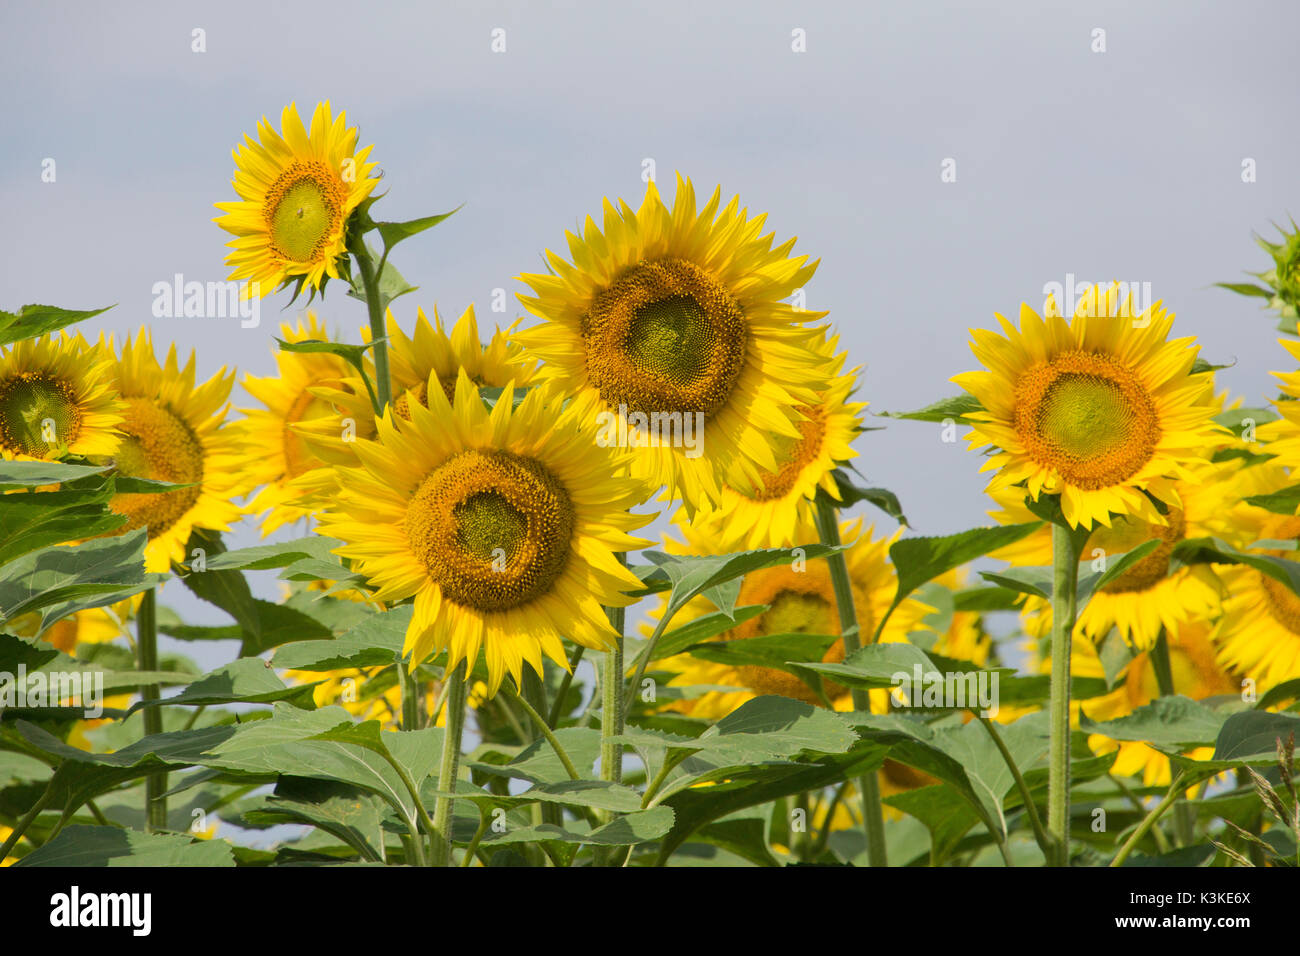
x=33 y=474
x=349 y=813
x=630 y=829
x=32 y=321
x=702 y=628
x=1167 y=723
x=391 y=283
x=29 y=522
x=83 y=846
x=980 y=600
x=776 y=651
x=227 y=590
x=354 y=355
x=1284 y=502
x=1038 y=580
x=248 y=680
x=1236 y=418
x=1246 y=288
x=850 y=494
x=955 y=408
x=693 y=575
x=281 y=555
x=375 y=642
x=1212 y=550
x=77 y=576
x=943 y=811
x=922 y=559
x=1253 y=734
x=394 y=232
x=537 y=762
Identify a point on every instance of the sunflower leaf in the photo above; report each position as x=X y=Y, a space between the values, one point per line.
x=1246 y=288
x=850 y=494
x=394 y=232
x=88 y=572
x=956 y=408
x=114 y=846
x=31 y=321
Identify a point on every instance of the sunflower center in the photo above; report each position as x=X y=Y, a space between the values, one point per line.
x=493 y=529
x=158 y=445
x=665 y=337
x=1088 y=417
x=794 y=455
x=798 y=603
x=37 y=414
x=303 y=209
x=1282 y=603
x=1127 y=533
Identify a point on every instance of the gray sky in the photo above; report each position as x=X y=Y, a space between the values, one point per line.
x=1124 y=164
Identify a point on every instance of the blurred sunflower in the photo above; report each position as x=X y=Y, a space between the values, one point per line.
x=296 y=191
x=1196 y=674
x=1283 y=435
x=348 y=688
x=1102 y=410
x=768 y=515
x=678 y=314
x=97 y=625
x=56 y=399
x=1149 y=595
x=273 y=452
x=173 y=432
x=799 y=602
x=502 y=526
x=1258 y=635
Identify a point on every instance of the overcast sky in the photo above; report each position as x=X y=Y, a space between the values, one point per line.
x=1123 y=164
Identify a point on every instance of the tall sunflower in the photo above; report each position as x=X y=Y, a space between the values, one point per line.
x=273 y=452
x=173 y=432
x=502 y=526
x=1103 y=410
x=671 y=318
x=296 y=191
x=767 y=515
x=56 y=398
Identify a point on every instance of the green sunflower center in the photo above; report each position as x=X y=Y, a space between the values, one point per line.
x=160 y=446
x=493 y=529
x=38 y=414
x=792 y=612
x=665 y=337
x=304 y=209
x=1087 y=416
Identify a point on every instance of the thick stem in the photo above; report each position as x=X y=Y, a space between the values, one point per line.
x=449 y=768
x=1065 y=580
x=873 y=814
x=1184 y=815
x=146 y=649
x=611 y=713
x=1156 y=812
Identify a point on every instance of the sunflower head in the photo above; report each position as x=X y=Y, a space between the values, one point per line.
x=501 y=524
x=56 y=398
x=297 y=189
x=1103 y=410
x=172 y=432
x=670 y=313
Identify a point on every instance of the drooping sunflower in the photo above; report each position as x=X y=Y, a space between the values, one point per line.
x=274 y=453
x=296 y=191
x=1196 y=674
x=173 y=432
x=801 y=600
x=673 y=318
x=767 y=515
x=1150 y=595
x=502 y=526
x=56 y=398
x=1101 y=410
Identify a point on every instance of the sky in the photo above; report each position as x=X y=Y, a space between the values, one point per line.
x=1097 y=155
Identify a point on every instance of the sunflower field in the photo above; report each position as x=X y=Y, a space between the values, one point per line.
x=609 y=585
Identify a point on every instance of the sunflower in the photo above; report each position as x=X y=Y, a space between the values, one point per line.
x=273 y=452
x=98 y=625
x=801 y=600
x=1283 y=436
x=415 y=362
x=1152 y=594
x=1103 y=410
x=173 y=432
x=347 y=688
x=502 y=526
x=767 y=516
x=1196 y=674
x=296 y=192
x=1258 y=635
x=56 y=399
x=672 y=320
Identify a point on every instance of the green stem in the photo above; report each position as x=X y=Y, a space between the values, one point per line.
x=873 y=814
x=1184 y=815
x=644 y=658
x=378 y=334
x=484 y=820
x=21 y=826
x=449 y=768
x=557 y=705
x=1026 y=798
x=146 y=646
x=611 y=715
x=1156 y=812
x=1065 y=579
x=549 y=734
